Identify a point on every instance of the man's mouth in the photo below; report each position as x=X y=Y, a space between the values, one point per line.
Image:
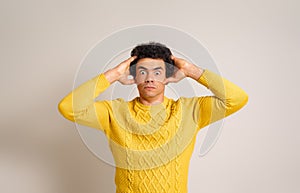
x=149 y=87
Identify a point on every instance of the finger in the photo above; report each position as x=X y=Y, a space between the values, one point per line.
x=131 y=59
x=168 y=80
x=129 y=81
x=165 y=82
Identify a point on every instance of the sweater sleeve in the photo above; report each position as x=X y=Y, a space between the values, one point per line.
x=80 y=106
x=227 y=99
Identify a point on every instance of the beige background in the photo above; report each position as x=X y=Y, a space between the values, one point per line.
x=254 y=44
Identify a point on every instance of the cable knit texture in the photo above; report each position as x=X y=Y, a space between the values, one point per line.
x=152 y=145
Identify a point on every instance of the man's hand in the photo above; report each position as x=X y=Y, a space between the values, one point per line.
x=121 y=72
x=184 y=69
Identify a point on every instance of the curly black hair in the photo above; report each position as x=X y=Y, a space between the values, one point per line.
x=153 y=50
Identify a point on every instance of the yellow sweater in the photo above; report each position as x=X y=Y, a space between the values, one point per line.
x=152 y=145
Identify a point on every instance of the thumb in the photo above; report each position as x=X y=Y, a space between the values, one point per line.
x=168 y=80
x=130 y=80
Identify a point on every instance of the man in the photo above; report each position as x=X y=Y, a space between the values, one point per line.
x=152 y=137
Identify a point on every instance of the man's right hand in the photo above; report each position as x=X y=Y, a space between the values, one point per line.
x=121 y=72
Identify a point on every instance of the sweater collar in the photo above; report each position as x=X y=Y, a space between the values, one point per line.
x=159 y=106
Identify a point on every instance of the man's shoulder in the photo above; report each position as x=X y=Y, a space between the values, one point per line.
x=122 y=101
x=188 y=100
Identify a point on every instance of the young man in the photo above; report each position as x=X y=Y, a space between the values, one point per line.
x=152 y=137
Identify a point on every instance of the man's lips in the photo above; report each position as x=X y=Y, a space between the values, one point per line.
x=149 y=87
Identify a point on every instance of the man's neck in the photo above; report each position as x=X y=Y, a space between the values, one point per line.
x=152 y=101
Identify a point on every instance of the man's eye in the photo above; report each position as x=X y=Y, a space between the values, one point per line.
x=142 y=72
x=157 y=73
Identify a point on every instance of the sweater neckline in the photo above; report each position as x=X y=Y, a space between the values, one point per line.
x=142 y=106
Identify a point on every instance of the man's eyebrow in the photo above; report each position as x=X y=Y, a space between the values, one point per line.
x=158 y=68
x=144 y=68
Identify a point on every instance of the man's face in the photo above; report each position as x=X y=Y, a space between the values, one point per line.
x=150 y=74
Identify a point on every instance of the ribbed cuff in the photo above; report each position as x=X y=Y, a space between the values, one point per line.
x=102 y=83
x=203 y=78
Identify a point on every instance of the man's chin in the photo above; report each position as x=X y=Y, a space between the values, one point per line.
x=148 y=96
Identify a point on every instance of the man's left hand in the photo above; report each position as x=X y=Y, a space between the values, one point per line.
x=184 y=69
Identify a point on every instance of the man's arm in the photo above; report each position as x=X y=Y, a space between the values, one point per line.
x=121 y=72
x=227 y=99
x=80 y=106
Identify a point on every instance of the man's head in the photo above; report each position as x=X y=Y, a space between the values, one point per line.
x=152 y=50
x=150 y=69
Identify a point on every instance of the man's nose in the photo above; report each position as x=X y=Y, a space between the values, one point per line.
x=149 y=78
x=149 y=81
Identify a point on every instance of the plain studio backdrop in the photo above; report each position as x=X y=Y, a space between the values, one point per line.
x=255 y=44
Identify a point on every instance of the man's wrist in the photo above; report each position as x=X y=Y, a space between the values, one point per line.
x=111 y=75
x=194 y=72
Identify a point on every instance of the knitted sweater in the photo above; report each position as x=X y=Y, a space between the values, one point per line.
x=152 y=145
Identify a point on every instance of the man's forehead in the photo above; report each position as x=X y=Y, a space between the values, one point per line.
x=150 y=63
